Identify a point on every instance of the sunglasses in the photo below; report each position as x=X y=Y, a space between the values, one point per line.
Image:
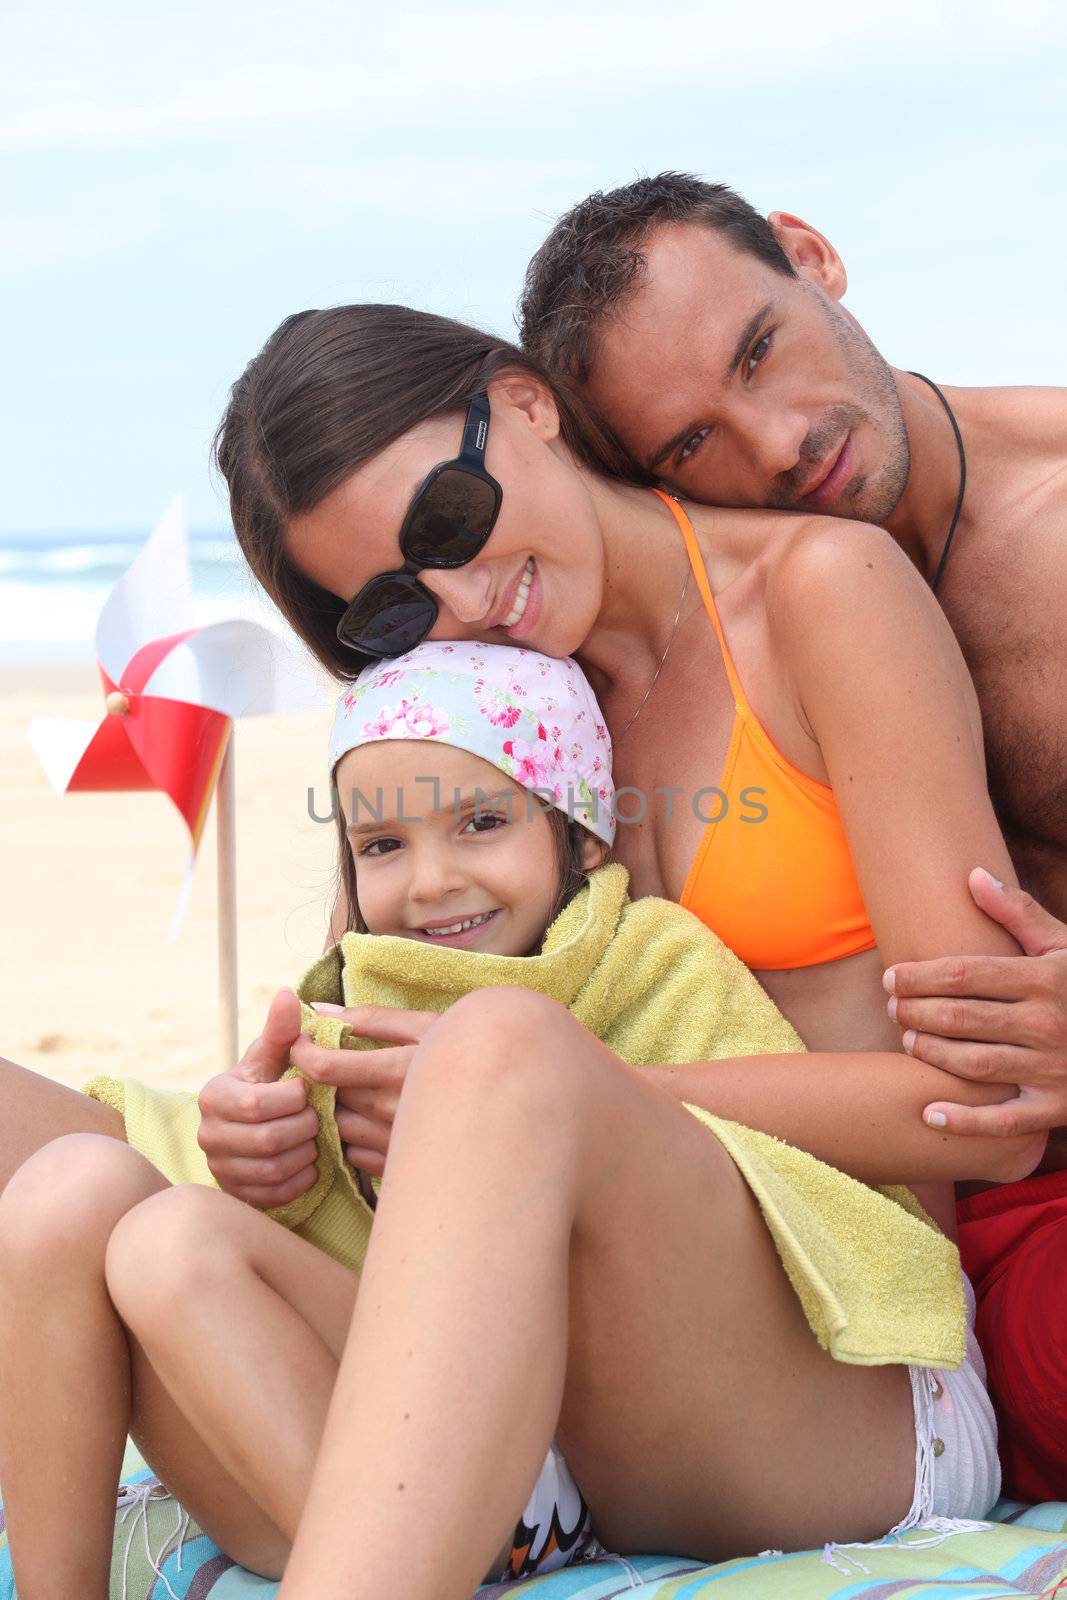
x=448 y=522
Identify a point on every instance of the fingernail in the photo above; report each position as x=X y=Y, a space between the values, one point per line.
x=326 y=1009
x=994 y=881
x=935 y=1119
x=892 y=1007
x=908 y=1041
x=889 y=980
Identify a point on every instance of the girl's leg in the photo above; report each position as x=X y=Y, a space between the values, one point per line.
x=65 y=1375
x=561 y=1248
x=241 y=1324
x=64 y=1371
x=34 y=1110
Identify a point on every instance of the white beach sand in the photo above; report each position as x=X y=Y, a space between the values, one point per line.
x=88 y=883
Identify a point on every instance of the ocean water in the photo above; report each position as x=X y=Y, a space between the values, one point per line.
x=53 y=585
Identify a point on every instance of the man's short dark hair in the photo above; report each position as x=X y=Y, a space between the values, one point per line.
x=592 y=260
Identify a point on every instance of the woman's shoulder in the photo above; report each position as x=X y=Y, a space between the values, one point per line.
x=842 y=576
x=817 y=554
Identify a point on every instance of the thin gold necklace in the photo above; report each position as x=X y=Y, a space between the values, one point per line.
x=666 y=652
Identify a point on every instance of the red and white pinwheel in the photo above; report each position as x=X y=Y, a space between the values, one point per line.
x=171 y=693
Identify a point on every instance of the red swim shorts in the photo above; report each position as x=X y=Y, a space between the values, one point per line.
x=1013 y=1243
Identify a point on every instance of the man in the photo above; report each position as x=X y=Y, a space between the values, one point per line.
x=713 y=342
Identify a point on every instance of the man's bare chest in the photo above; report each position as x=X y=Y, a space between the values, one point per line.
x=1007 y=603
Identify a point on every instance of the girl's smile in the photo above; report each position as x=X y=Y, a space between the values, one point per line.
x=464 y=932
x=447 y=850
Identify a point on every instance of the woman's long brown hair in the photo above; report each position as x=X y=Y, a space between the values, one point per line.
x=328 y=391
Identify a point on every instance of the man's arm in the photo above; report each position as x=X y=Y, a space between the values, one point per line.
x=994 y=1018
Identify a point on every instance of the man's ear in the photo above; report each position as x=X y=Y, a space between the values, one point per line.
x=813 y=256
x=530 y=397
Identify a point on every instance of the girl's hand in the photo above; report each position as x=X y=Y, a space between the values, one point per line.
x=368 y=1082
x=258 y=1134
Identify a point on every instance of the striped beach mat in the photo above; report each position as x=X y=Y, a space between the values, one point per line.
x=159 y=1554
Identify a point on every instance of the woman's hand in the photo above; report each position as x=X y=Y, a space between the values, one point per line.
x=258 y=1134
x=368 y=1082
x=993 y=1018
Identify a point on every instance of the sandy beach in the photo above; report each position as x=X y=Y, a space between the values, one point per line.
x=89 y=882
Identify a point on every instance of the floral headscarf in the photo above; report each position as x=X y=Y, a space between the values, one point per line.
x=533 y=717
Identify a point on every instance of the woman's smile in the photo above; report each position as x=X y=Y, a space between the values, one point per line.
x=525 y=614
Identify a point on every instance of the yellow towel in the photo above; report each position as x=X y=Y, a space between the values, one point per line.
x=878 y=1282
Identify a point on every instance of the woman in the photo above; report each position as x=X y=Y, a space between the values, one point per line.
x=357 y=454
x=625 y=1203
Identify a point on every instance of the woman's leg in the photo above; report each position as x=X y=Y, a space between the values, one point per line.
x=34 y=1110
x=560 y=1248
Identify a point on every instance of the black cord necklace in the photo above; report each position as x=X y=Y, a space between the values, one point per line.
x=963 y=477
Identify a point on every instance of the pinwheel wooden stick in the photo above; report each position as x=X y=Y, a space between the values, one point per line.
x=226 y=832
x=171 y=693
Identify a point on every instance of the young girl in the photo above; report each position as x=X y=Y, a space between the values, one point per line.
x=477 y=804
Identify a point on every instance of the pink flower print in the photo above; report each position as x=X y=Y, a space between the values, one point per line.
x=495 y=705
x=597 y=763
x=411 y=719
x=529 y=768
x=557 y=733
x=601 y=731
x=390 y=676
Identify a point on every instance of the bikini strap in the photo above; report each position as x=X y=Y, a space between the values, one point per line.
x=696 y=561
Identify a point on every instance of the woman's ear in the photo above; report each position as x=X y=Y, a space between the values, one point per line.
x=813 y=256
x=529 y=397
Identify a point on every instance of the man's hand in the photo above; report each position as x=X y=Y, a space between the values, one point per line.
x=1001 y=1019
x=258 y=1134
x=368 y=1082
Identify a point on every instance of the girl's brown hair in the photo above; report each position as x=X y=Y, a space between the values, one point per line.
x=328 y=391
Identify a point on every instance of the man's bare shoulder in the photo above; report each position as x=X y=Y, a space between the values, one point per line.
x=1032 y=419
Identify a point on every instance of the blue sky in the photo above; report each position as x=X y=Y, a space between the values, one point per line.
x=174 y=183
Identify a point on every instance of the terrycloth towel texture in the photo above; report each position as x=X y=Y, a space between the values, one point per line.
x=878 y=1282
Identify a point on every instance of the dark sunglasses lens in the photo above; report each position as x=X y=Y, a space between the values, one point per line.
x=390 y=615
x=451 y=520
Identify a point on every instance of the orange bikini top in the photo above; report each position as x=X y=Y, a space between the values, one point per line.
x=772 y=876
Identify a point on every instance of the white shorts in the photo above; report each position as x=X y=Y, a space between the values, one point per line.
x=957 y=1472
x=956 y=1432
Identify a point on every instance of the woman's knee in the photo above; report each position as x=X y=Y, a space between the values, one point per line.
x=165 y=1249
x=68 y=1196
